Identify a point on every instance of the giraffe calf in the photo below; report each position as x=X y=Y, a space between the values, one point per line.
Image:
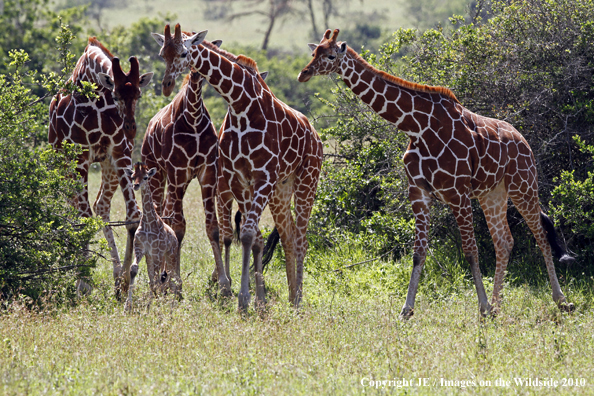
x=154 y=238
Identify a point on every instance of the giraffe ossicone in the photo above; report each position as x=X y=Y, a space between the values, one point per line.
x=105 y=127
x=454 y=155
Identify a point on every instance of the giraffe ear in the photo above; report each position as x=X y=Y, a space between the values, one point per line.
x=159 y=38
x=342 y=48
x=152 y=172
x=264 y=75
x=106 y=81
x=128 y=171
x=217 y=43
x=312 y=46
x=195 y=39
x=145 y=79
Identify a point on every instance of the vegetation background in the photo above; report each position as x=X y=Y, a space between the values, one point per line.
x=528 y=62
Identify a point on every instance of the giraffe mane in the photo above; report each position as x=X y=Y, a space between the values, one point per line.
x=402 y=82
x=248 y=63
x=95 y=43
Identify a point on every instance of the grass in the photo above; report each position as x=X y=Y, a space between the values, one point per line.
x=347 y=331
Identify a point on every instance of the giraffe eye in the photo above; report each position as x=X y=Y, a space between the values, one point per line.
x=184 y=54
x=146 y=178
x=331 y=57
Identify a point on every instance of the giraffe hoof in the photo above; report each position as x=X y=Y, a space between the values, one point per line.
x=225 y=292
x=494 y=312
x=486 y=311
x=566 y=307
x=243 y=301
x=406 y=313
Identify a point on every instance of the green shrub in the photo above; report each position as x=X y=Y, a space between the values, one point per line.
x=43 y=242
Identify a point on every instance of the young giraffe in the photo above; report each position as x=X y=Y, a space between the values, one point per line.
x=268 y=153
x=154 y=238
x=105 y=127
x=454 y=156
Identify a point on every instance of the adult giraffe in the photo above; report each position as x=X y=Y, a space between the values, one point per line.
x=268 y=153
x=454 y=156
x=181 y=142
x=105 y=127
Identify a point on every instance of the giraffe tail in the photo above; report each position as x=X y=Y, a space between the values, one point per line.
x=558 y=251
x=237 y=231
x=269 y=248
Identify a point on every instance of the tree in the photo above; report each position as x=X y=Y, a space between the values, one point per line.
x=272 y=10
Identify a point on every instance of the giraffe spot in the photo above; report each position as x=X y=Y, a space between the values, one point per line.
x=392 y=113
x=378 y=85
x=215 y=76
x=378 y=104
x=91 y=122
x=391 y=93
x=409 y=124
x=405 y=102
x=368 y=97
x=360 y=87
x=423 y=105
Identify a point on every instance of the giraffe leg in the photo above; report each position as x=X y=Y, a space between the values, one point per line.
x=305 y=190
x=208 y=183
x=253 y=209
x=81 y=202
x=494 y=206
x=133 y=214
x=224 y=211
x=102 y=207
x=463 y=215
x=527 y=204
x=138 y=253
x=421 y=203
x=174 y=209
x=280 y=206
x=174 y=281
x=257 y=248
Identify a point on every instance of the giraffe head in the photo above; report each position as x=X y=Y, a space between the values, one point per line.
x=326 y=56
x=140 y=174
x=174 y=51
x=125 y=89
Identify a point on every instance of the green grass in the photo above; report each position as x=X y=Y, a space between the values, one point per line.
x=347 y=330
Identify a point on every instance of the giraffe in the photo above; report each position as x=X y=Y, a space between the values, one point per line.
x=181 y=142
x=105 y=127
x=154 y=238
x=268 y=154
x=453 y=156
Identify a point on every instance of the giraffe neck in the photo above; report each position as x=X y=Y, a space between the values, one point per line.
x=194 y=106
x=408 y=106
x=89 y=66
x=149 y=214
x=236 y=85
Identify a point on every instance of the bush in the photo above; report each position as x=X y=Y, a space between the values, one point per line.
x=43 y=242
x=573 y=206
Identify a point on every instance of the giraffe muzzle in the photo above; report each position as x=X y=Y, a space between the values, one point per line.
x=304 y=76
x=168 y=86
